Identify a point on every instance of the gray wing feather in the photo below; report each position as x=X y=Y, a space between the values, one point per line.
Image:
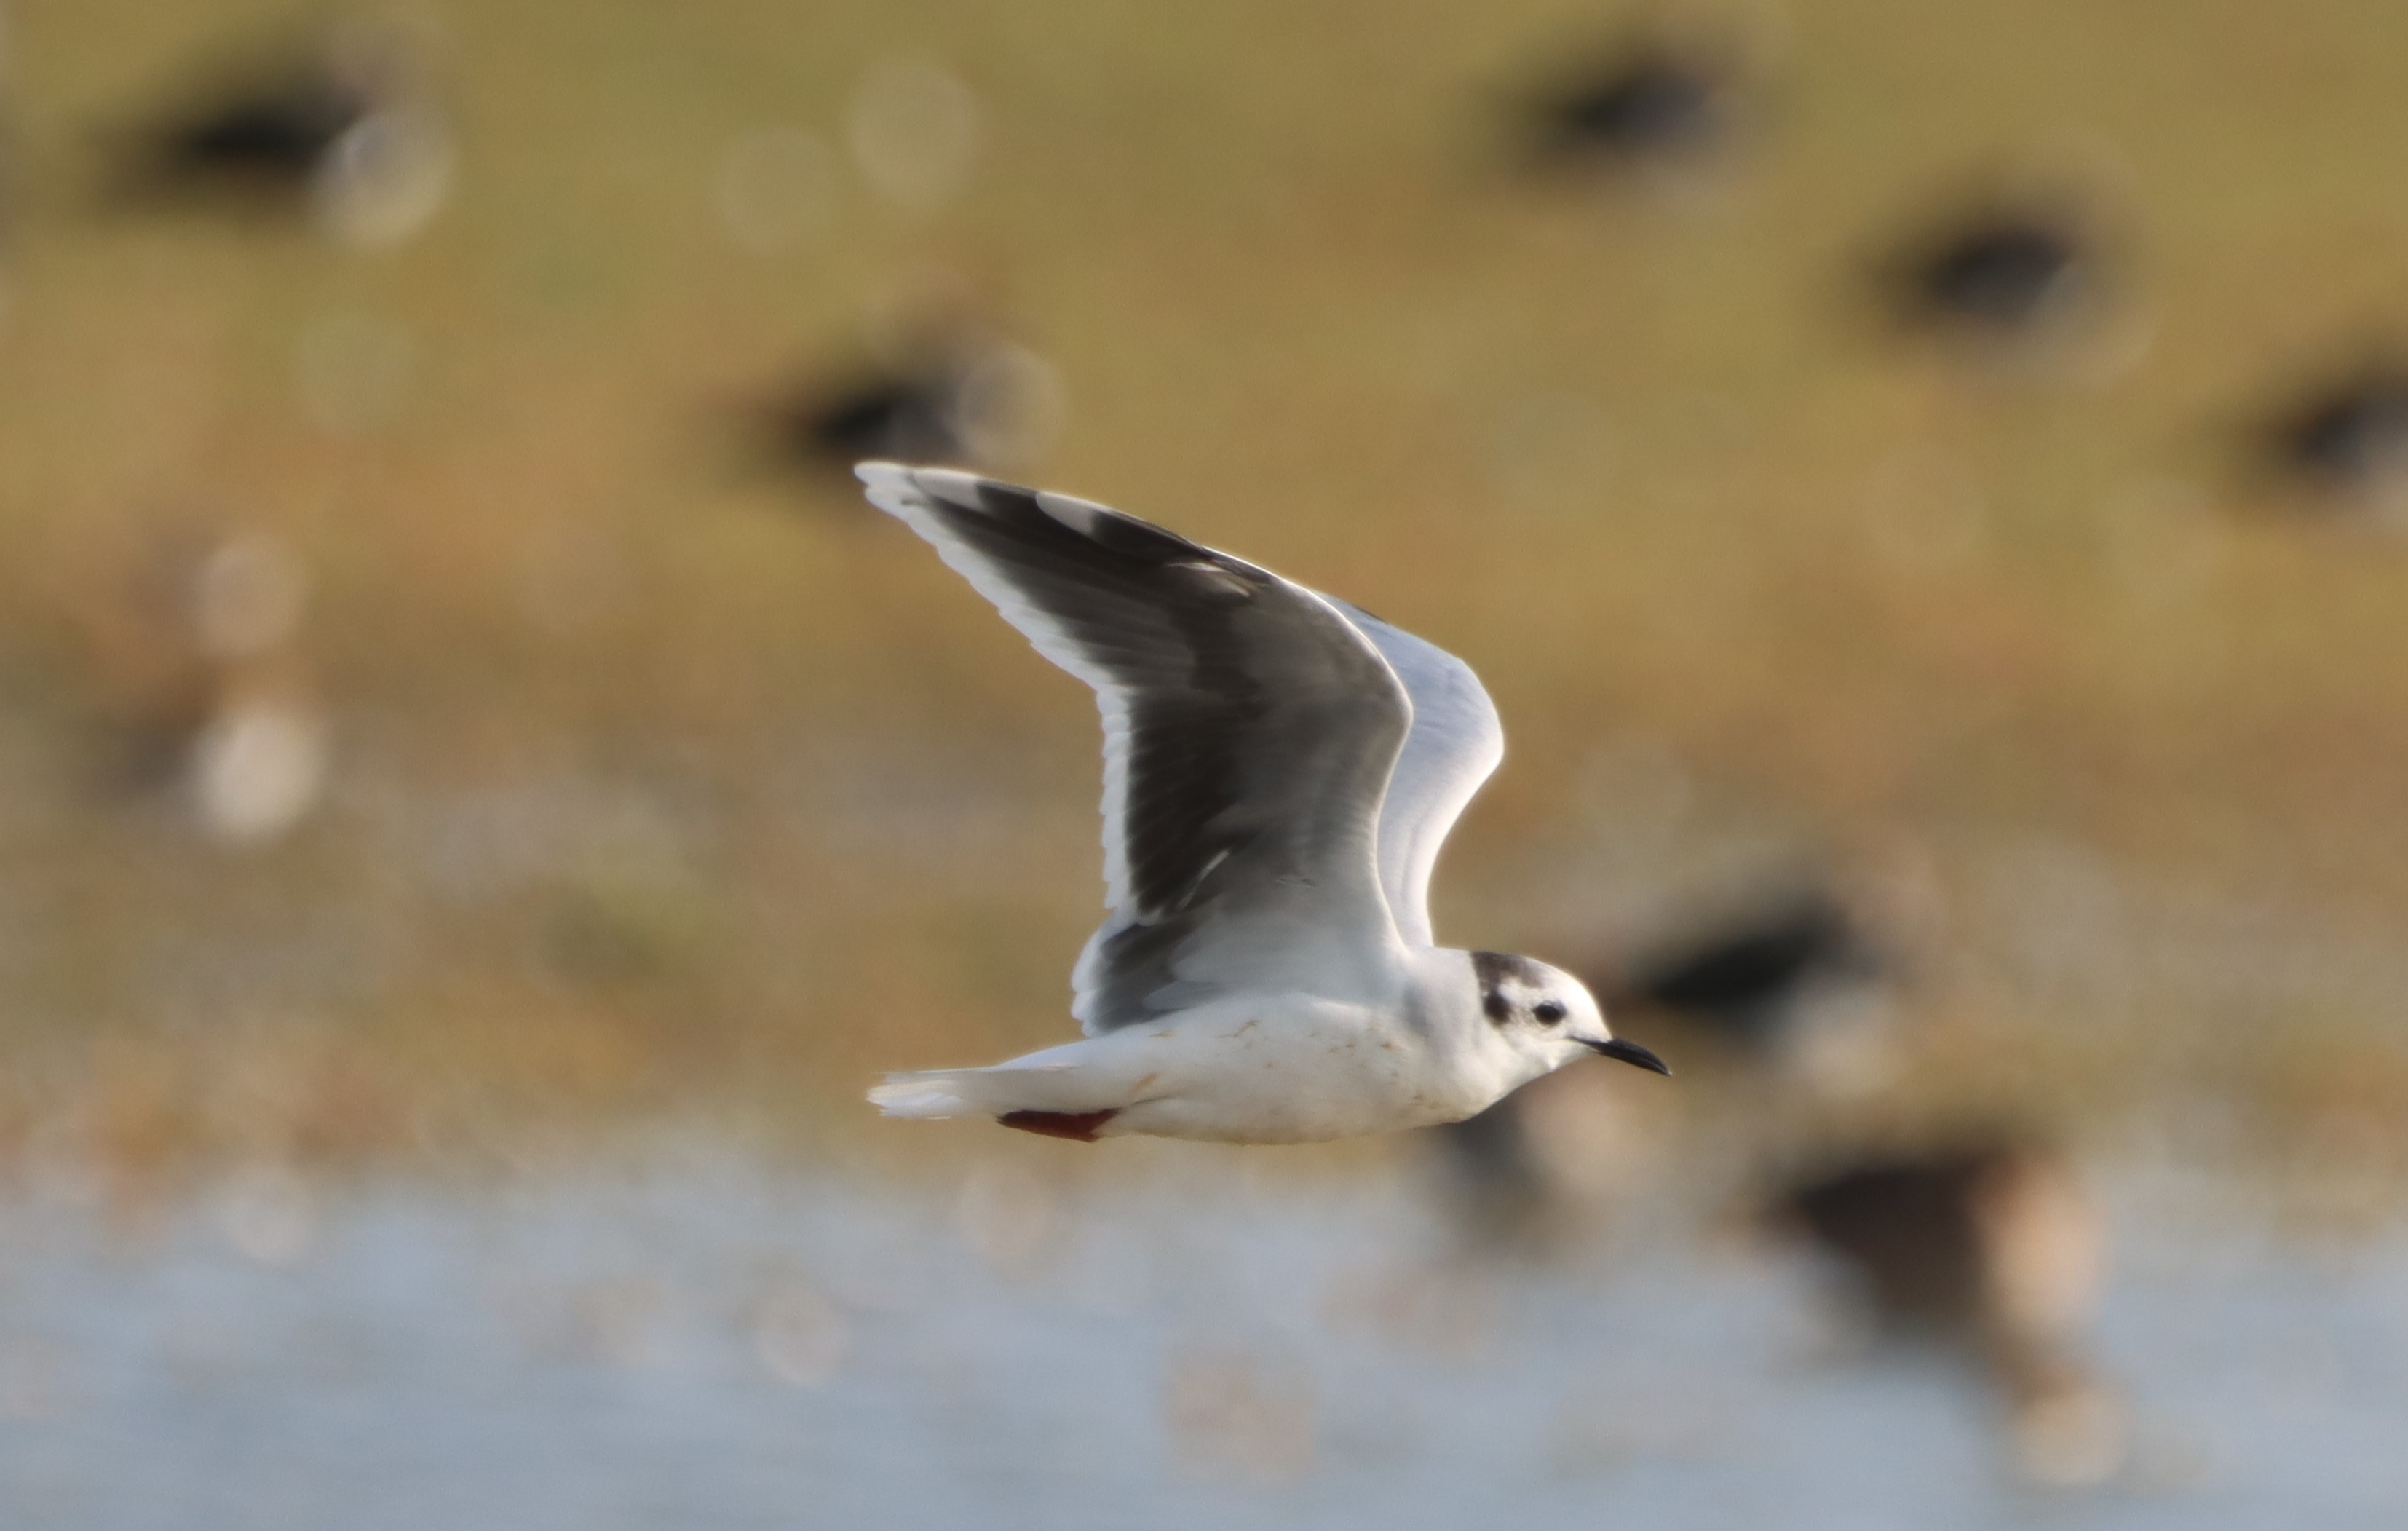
x=1455 y=744
x=1250 y=731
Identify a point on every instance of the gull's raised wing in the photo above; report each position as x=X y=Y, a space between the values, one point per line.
x=1250 y=731
x=1454 y=745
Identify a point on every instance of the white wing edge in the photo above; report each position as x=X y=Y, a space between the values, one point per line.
x=1455 y=743
x=895 y=489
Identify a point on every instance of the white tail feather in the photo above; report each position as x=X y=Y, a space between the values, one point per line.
x=919 y=1101
x=937 y=1094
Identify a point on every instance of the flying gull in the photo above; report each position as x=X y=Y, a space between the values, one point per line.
x=1280 y=770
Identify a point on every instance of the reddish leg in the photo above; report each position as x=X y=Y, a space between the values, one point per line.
x=1078 y=1126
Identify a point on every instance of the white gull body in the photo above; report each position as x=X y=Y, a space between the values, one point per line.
x=1280 y=771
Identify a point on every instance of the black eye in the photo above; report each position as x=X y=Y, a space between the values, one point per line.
x=1548 y=1012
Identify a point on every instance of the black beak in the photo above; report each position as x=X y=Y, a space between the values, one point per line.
x=1630 y=1053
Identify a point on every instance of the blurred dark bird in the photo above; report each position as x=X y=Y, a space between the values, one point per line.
x=1547 y=1165
x=988 y=406
x=1499 y=1183
x=1749 y=978
x=1975 y=1236
x=1648 y=103
x=906 y=419
x=2347 y=438
x=1988 y=1247
x=1793 y=984
x=341 y=132
x=2001 y=275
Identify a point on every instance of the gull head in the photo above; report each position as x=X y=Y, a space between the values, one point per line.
x=1547 y=1016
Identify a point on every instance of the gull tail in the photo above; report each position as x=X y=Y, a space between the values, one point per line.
x=941 y=1094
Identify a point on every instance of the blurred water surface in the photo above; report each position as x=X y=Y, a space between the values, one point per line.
x=709 y=1344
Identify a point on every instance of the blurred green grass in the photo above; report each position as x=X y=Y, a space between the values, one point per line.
x=664 y=789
